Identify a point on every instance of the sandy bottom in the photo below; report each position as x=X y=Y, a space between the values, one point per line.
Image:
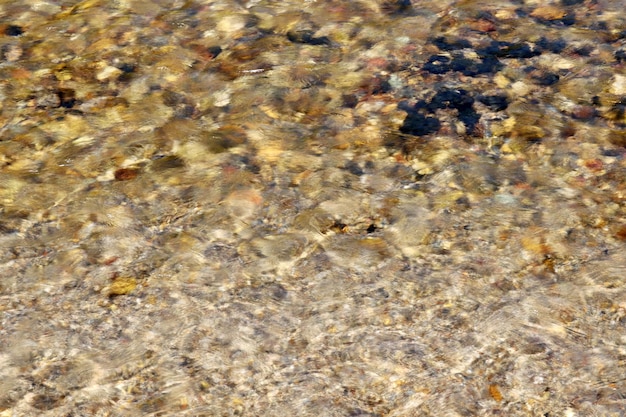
x=328 y=208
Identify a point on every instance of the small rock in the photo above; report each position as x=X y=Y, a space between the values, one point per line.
x=107 y=73
x=584 y=112
x=122 y=286
x=548 y=13
x=231 y=24
x=306 y=37
x=125 y=174
x=618 y=87
x=13 y=30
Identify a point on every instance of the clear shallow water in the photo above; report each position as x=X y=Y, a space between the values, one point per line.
x=219 y=208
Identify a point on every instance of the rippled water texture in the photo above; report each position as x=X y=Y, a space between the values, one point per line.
x=320 y=208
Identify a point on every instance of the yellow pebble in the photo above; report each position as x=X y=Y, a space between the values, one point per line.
x=122 y=286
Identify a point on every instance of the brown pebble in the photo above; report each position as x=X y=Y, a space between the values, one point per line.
x=495 y=393
x=125 y=174
x=483 y=25
x=621 y=233
x=594 y=165
x=617 y=137
x=548 y=13
x=584 y=112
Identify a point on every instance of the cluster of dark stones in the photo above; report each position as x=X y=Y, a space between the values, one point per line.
x=421 y=119
x=484 y=60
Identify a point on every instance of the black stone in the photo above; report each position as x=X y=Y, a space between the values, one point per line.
x=354 y=168
x=620 y=55
x=464 y=65
x=508 y=50
x=569 y=19
x=350 y=100
x=406 y=106
x=13 y=30
x=419 y=125
x=338 y=226
x=371 y=228
x=402 y=6
x=556 y=46
x=451 y=45
x=127 y=72
x=306 y=37
x=520 y=12
x=584 y=50
x=463 y=201
x=612 y=152
x=451 y=99
x=495 y=102
x=471 y=67
x=127 y=68
x=489 y=65
x=437 y=64
x=422 y=104
x=571 y=2
x=470 y=118
x=214 y=51
x=547 y=79
x=66 y=98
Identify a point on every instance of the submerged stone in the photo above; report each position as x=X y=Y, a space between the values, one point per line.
x=419 y=125
x=555 y=46
x=306 y=37
x=451 y=99
x=451 y=45
x=122 y=286
x=437 y=64
x=13 y=30
x=502 y=49
x=470 y=118
x=495 y=102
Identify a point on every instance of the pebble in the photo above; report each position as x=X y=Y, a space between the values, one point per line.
x=122 y=286
x=548 y=12
x=505 y=199
x=243 y=204
x=108 y=72
x=13 y=30
x=230 y=24
x=618 y=86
